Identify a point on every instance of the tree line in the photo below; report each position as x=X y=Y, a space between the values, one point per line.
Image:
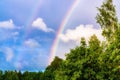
x=93 y=61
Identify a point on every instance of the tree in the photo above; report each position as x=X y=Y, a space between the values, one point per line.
x=10 y=75
x=110 y=58
x=49 y=73
x=1 y=74
x=82 y=62
x=107 y=19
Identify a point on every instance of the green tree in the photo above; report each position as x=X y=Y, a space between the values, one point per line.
x=82 y=62
x=110 y=58
x=10 y=75
x=49 y=73
x=107 y=19
x=19 y=75
x=1 y=74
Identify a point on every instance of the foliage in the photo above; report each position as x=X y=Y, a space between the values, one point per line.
x=93 y=61
x=82 y=62
x=50 y=70
x=14 y=75
x=107 y=19
x=96 y=61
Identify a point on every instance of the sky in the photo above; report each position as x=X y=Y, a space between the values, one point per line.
x=32 y=32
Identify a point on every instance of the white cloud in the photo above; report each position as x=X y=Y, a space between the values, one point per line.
x=7 y=24
x=31 y=43
x=9 y=53
x=80 y=31
x=40 y=24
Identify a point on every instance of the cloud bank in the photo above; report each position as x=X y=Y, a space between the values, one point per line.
x=80 y=31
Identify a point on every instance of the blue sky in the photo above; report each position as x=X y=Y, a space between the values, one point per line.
x=28 y=29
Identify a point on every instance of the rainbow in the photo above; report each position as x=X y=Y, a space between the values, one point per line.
x=33 y=14
x=27 y=31
x=60 y=30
